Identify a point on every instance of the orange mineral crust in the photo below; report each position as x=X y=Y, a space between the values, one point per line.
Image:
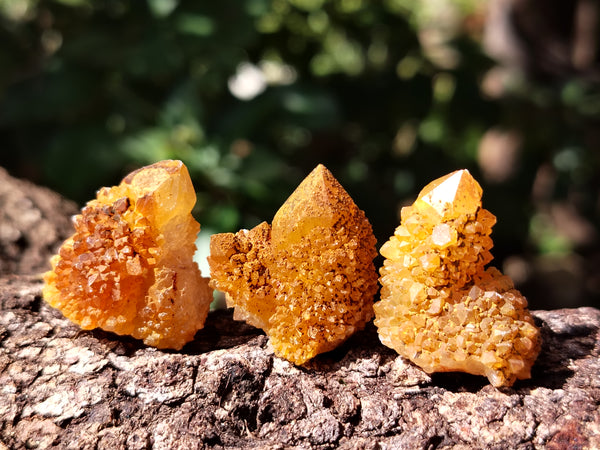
x=308 y=280
x=439 y=307
x=128 y=268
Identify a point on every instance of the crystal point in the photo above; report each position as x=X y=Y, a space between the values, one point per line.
x=452 y=195
x=461 y=316
x=129 y=266
x=316 y=202
x=308 y=280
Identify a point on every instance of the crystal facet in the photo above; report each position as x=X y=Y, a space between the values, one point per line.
x=439 y=307
x=128 y=268
x=308 y=280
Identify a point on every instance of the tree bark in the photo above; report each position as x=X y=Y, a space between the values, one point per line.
x=33 y=223
x=63 y=387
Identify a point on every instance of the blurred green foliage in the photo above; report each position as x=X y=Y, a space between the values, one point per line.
x=252 y=94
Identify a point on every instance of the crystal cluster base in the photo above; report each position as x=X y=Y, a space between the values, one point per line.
x=128 y=268
x=439 y=307
x=308 y=280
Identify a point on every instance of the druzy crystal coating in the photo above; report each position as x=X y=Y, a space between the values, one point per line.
x=128 y=268
x=439 y=306
x=308 y=280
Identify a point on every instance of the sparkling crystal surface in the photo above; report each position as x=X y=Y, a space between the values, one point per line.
x=439 y=306
x=308 y=280
x=128 y=268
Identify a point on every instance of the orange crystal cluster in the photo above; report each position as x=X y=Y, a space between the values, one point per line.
x=439 y=307
x=308 y=280
x=128 y=268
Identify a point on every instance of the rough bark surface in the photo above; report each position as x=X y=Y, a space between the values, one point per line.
x=61 y=387
x=33 y=222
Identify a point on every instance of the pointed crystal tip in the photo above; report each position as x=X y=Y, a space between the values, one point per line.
x=452 y=195
x=318 y=201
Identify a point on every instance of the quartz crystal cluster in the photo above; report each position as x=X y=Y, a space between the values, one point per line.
x=128 y=268
x=308 y=280
x=439 y=306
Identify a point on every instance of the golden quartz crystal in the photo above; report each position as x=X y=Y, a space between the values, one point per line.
x=308 y=280
x=128 y=268
x=439 y=307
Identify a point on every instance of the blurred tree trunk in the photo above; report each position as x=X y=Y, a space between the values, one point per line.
x=547 y=39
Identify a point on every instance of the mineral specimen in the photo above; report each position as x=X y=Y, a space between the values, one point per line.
x=308 y=280
x=128 y=268
x=439 y=307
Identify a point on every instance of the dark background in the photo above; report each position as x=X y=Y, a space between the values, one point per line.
x=389 y=95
